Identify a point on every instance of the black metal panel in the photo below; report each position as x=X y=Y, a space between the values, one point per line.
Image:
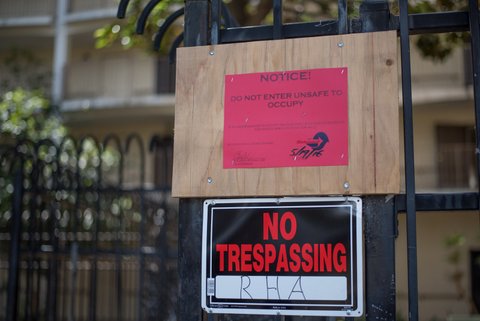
x=379 y=230
x=374 y=16
x=197 y=13
x=190 y=259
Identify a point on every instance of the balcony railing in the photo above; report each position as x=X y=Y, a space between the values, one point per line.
x=119 y=75
x=90 y=5
x=10 y=9
x=26 y=8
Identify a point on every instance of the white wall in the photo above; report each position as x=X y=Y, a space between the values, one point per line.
x=439 y=296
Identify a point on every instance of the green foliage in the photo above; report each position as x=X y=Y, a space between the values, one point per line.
x=421 y=6
x=306 y=11
x=123 y=32
x=28 y=115
x=24 y=115
x=455 y=240
x=437 y=47
x=454 y=244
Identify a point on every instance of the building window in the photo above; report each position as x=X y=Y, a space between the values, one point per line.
x=456 y=157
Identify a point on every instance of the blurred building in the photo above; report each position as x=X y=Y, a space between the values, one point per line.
x=444 y=121
x=113 y=90
x=97 y=91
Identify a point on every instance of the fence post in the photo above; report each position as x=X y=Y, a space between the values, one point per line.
x=380 y=232
x=190 y=212
x=13 y=256
x=379 y=211
x=375 y=15
x=189 y=259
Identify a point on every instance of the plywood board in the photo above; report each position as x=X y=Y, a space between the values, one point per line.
x=373 y=117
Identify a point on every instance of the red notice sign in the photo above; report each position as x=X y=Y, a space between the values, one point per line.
x=286 y=119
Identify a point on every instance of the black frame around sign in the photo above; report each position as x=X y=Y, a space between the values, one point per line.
x=319 y=221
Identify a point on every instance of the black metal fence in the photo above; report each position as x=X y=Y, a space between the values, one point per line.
x=81 y=241
x=83 y=234
x=206 y=23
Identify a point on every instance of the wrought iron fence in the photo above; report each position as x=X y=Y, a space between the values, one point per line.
x=208 y=23
x=83 y=237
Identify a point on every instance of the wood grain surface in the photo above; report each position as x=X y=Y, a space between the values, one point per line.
x=374 y=166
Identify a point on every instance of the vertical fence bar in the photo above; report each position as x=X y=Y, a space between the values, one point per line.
x=38 y=286
x=277 y=19
x=343 y=29
x=342 y=17
x=196 y=22
x=118 y=266
x=13 y=255
x=72 y=316
x=141 y=257
x=140 y=252
x=98 y=208
x=475 y=50
x=375 y=15
x=380 y=231
x=215 y=22
x=190 y=210
x=141 y=268
x=118 y=239
x=53 y=265
x=64 y=282
x=53 y=232
x=32 y=227
x=189 y=259
x=409 y=163
x=162 y=246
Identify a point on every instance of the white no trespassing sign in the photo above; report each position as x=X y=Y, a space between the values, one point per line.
x=287 y=256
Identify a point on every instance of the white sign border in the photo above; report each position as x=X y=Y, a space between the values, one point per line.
x=301 y=312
